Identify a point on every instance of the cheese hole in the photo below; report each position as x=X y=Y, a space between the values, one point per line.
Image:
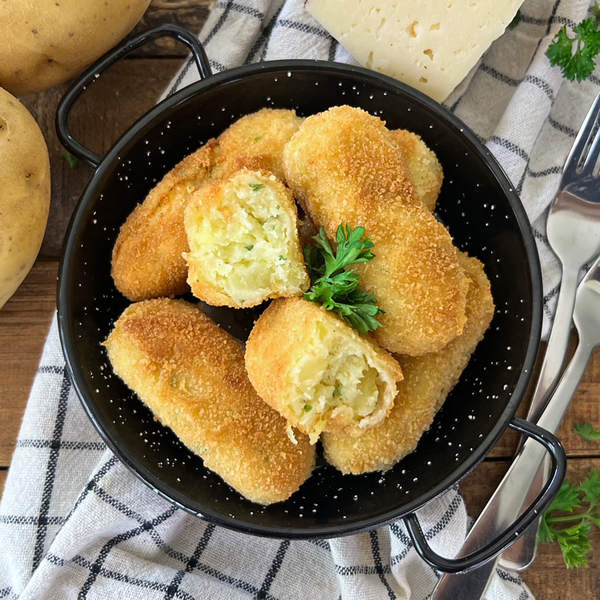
x=381 y=25
x=423 y=80
x=435 y=27
x=429 y=53
x=369 y=64
x=412 y=29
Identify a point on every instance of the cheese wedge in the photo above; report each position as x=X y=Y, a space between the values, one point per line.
x=430 y=46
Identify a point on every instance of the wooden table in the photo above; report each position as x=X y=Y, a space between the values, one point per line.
x=122 y=95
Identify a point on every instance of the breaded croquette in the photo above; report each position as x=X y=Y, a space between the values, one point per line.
x=424 y=167
x=256 y=142
x=427 y=382
x=316 y=370
x=243 y=238
x=147 y=259
x=191 y=375
x=343 y=166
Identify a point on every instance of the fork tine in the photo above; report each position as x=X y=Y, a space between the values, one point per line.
x=579 y=146
x=592 y=157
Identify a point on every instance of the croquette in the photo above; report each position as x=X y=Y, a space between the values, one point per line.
x=243 y=238
x=422 y=164
x=191 y=374
x=148 y=258
x=427 y=382
x=317 y=371
x=343 y=166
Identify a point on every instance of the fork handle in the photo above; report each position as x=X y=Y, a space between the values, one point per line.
x=558 y=343
x=522 y=553
x=511 y=495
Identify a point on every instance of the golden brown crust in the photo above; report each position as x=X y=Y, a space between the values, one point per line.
x=147 y=258
x=427 y=382
x=422 y=163
x=256 y=142
x=280 y=338
x=344 y=167
x=191 y=374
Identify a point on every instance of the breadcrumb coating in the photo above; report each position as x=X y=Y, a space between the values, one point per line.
x=422 y=163
x=147 y=258
x=191 y=374
x=427 y=382
x=343 y=166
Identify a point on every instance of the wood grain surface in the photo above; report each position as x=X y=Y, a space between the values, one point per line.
x=106 y=110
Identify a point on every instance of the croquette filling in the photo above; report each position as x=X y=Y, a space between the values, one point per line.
x=246 y=245
x=333 y=376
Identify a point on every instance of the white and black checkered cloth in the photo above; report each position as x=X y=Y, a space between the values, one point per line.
x=75 y=523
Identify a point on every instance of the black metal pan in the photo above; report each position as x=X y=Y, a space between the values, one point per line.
x=479 y=206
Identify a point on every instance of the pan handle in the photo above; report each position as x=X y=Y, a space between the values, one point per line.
x=504 y=540
x=110 y=58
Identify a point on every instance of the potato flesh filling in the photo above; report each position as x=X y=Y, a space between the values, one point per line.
x=332 y=375
x=244 y=244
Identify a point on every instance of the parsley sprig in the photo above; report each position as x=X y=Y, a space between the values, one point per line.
x=572 y=530
x=576 y=55
x=337 y=288
x=587 y=432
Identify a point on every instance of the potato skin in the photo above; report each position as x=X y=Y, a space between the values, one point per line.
x=24 y=193
x=344 y=166
x=191 y=374
x=45 y=42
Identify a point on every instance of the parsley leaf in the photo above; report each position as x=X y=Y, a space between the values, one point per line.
x=572 y=531
x=516 y=20
x=567 y=498
x=337 y=288
x=587 y=432
x=576 y=55
x=256 y=187
x=72 y=160
x=590 y=487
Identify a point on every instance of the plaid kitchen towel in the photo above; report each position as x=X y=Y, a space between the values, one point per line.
x=74 y=523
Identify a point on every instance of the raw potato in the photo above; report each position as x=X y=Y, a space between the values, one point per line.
x=44 y=42
x=24 y=193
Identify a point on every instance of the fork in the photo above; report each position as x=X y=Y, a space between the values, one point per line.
x=509 y=498
x=573 y=231
x=566 y=227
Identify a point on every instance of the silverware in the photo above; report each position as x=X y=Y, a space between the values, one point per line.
x=511 y=495
x=573 y=230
